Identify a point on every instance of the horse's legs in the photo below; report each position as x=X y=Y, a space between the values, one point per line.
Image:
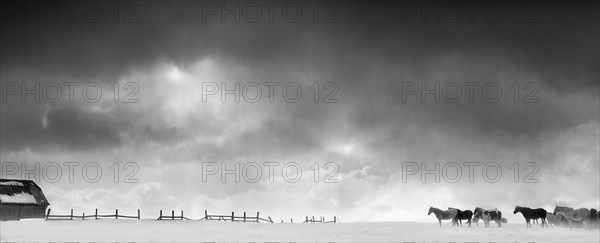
x=544 y=223
x=440 y=222
x=528 y=223
x=588 y=225
x=570 y=223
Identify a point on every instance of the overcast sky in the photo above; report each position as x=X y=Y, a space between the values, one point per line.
x=370 y=51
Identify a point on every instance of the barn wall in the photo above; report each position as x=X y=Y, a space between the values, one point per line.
x=21 y=211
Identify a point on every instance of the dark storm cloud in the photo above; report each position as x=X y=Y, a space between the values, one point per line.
x=564 y=35
x=71 y=126
x=68 y=127
x=369 y=39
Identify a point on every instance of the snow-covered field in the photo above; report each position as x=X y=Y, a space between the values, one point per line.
x=153 y=230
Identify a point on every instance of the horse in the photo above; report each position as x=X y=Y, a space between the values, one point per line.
x=487 y=216
x=463 y=215
x=579 y=216
x=593 y=218
x=443 y=214
x=557 y=220
x=476 y=215
x=529 y=214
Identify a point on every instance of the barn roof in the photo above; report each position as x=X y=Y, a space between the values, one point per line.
x=21 y=192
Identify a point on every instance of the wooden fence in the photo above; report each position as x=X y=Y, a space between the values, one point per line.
x=226 y=218
x=172 y=217
x=95 y=216
x=321 y=220
x=233 y=218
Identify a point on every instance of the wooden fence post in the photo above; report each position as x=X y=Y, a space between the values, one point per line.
x=291 y=221
x=138 y=214
x=83 y=216
x=306 y=221
x=313 y=219
x=270 y=219
x=181 y=214
x=205 y=214
x=116 y=213
x=96 y=215
x=160 y=217
x=257 y=214
x=244 y=217
x=232 y=217
x=172 y=214
x=334 y=219
x=48 y=215
x=71 y=214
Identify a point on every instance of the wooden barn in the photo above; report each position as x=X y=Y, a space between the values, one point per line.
x=21 y=199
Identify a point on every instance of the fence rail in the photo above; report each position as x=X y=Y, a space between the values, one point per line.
x=95 y=216
x=233 y=218
x=209 y=217
x=230 y=218
x=321 y=220
x=172 y=217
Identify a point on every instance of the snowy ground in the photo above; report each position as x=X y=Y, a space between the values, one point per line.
x=153 y=230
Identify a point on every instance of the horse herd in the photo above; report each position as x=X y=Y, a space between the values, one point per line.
x=561 y=217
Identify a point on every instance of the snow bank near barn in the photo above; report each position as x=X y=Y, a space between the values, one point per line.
x=22 y=197
x=194 y=231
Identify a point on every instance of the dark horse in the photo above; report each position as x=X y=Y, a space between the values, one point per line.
x=463 y=215
x=593 y=218
x=530 y=214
